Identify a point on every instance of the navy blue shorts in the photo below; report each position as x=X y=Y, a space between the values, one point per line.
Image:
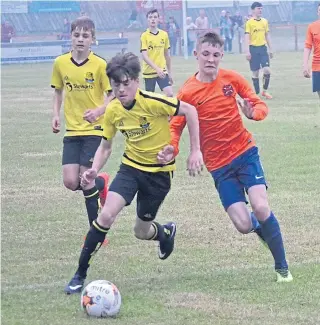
x=150 y=83
x=315 y=81
x=259 y=57
x=234 y=179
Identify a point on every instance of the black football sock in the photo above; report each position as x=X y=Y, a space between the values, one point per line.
x=266 y=81
x=256 y=85
x=93 y=242
x=158 y=232
x=92 y=203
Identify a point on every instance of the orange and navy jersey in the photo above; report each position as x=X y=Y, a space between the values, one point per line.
x=223 y=136
x=313 y=41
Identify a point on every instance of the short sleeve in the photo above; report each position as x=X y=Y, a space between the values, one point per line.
x=56 y=79
x=309 y=38
x=267 y=26
x=247 y=29
x=143 y=42
x=109 y=129
x=105 y=83
x=167 y=42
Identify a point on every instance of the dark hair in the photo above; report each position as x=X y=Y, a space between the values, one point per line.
x=123 y=65
x=84 y=22
x=152 y=11
x=210 y=37
x=256 y=5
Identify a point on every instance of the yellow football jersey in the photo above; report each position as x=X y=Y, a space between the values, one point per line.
x=257 y=30
x=145 y=126
x=84 y=87
x=155 y=45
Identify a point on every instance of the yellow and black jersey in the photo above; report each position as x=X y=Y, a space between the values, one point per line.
x=155 y=45
x=145 y=126
x=257 y=29
x=84 y=86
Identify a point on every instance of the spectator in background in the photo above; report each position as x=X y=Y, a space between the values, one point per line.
x=173 y=31
x=226 y=30
x=7 y=32
x=202 y=21
x=192 y=34
x=237 y=21
x=133 y=22
x=161 y=24
x=65 y=35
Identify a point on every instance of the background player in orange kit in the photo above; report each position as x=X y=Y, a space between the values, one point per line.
x=313 y=41
x=228 y=148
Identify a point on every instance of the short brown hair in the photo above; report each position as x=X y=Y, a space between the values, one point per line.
x=84 y=23
x=210 y=37
x=123 y=66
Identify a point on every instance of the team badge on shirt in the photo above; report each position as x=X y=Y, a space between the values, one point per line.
x=144 y=123
x=228 y=90
x=89 y=77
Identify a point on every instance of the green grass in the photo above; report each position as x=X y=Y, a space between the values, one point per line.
x=215 y=276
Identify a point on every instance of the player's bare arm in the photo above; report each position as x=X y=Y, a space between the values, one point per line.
x=146 y=58
x=168 y=63
x=268 y=39
x=91 y=115
x=306 y=57
x=247 y=42
x=57 y=102
x=102 y=155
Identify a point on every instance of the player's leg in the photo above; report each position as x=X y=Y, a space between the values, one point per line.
x=71 y=163
x=265 y=64
x=122 y=191
x=150 y=84
x=89 y=146
x=165 y=86
x=255 y=68
x=252 y=177
x=316 y=82
x=153 y=188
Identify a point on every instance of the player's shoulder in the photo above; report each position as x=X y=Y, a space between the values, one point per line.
x=63 y=57
x=151 y=96
x=144 y=33
x=230 y=75
x=162 y=32
x=189 y=84
x=314 y=25
x=264 y=20
x=99 y=60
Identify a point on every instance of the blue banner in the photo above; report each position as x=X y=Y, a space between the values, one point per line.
x=54 y=6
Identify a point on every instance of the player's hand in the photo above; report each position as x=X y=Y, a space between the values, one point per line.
x=88 y=176
x=195 y=163
x=248 y=56
x=91 y=115
x=271 y=55
x=306 y=72
x=246 y=107
x=55 y=123
x=170 y=79
x=160 y=73
x=166 y=154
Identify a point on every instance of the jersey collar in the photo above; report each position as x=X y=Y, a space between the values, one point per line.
x=153 y=33
x=81 y=63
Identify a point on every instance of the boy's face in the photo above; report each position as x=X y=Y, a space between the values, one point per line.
x=81 y=39
x=209 y=58
x=153 y=20
x=257 y=12
x=125 y=90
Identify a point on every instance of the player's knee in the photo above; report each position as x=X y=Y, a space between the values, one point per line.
x=266 y=70
x=255 y=74
x=72 y=184
x=168 y=92
x=244 y=227
x=106 y=218
x=261 y=210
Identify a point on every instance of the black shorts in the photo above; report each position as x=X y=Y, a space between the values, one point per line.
x=151 y=189
x=259 y=57
x=80 y=149
x=150 y=83
x=315 y=81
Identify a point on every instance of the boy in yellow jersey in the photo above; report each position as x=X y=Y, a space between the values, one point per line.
x=257 y=38
x=142 y=117
x=156 y=65
x=81 y=75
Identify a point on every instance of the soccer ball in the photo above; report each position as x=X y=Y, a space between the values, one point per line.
x=101 y=298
